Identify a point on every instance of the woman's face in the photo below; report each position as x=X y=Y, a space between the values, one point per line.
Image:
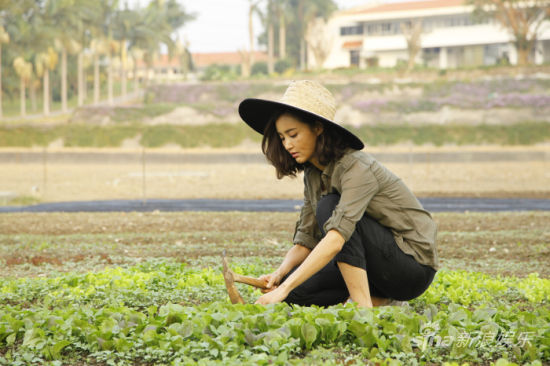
x=298 y=138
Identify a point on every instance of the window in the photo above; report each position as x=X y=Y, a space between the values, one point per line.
x=393 y=27
x=351 y=30
x=388 y=28
x=373 y=29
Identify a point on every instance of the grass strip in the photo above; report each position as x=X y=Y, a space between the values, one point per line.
x=230 y=135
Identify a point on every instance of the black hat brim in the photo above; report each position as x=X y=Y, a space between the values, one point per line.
x=258 y=112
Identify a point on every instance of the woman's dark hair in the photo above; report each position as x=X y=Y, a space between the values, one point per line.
x=330 y=146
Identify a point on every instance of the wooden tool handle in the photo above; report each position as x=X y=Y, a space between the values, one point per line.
x=249 y=280
x=231 y=276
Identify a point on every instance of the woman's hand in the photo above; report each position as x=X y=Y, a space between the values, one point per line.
x=273 y=296
x=272 y=281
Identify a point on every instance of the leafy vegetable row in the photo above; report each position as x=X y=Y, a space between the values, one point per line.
x=170 y=313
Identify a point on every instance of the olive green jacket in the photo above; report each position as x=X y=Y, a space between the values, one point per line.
x=365 y=186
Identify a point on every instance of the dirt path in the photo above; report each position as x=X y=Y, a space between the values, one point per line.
x=83 y=175
x=84 y=182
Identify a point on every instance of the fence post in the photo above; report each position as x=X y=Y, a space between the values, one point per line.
x=44 y=171
x=143 y=179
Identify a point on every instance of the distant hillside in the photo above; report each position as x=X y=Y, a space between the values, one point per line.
x=500 y=101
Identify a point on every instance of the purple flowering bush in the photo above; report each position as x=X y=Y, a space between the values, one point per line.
x=473 y=95
x=372 y=105
x=219 y=99
x=222 y=99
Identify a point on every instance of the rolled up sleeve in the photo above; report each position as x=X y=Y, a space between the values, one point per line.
x=306 y=225
x=358 y=185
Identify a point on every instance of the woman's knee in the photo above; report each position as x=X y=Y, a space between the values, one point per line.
x=325 y=206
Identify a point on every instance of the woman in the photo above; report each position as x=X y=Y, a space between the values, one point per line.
x=362 y=234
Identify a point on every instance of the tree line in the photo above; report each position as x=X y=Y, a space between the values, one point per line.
x=37 y=37
x=285 y=29
x=60 y=40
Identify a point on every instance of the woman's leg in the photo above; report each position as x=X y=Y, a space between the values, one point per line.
x=390 y=272
x=357 y=284
x=325 y=288
x=354 y=274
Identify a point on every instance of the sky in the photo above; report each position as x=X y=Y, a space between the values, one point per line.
x=222 y=25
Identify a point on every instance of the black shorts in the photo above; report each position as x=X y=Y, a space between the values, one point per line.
x=391 y=273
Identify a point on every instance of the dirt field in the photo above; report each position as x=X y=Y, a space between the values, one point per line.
x=43 y=244
x=92 y=181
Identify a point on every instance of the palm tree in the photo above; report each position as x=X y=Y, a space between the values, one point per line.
x=282 y=32
x=137 y=55
x=99 y=47
x=271 y=14
x=89 y=11
x=24 y=25
x=151 y=31
x=112 y=48
x=124 y=21
x=45 y=62
x=305 y=12
x=87 y=63
x=64 y=16
x=164 y=17
x=182 y=54
x=268 y=20
x=100 y=29
x=145 y=38
x=65 y=45
x=281 y=8
x=24 y=71
x=249 y=61
x=4 y=38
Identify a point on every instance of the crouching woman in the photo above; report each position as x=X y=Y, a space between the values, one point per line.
x=362 y=234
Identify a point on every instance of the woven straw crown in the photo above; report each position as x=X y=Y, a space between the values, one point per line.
x=311 y=96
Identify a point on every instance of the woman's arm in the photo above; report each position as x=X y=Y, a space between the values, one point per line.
x=327 y=248
x=293 y=257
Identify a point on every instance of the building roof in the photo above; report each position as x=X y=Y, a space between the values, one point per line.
x=404 y=6
x=224 y=58
x=161 y=61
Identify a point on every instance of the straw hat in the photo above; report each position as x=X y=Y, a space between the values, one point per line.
x=307 y=98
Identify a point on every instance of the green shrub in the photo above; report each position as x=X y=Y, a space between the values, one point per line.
x=259 y=68
x=282 y=65
x=220 y=72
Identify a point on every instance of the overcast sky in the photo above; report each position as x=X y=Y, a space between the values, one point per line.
x=222 y=25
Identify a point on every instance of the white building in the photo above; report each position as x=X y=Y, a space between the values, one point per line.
x=451 y=37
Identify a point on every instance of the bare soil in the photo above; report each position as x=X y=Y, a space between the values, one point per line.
x=42 y=244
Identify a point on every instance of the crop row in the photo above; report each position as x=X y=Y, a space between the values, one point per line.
x=169 y=313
